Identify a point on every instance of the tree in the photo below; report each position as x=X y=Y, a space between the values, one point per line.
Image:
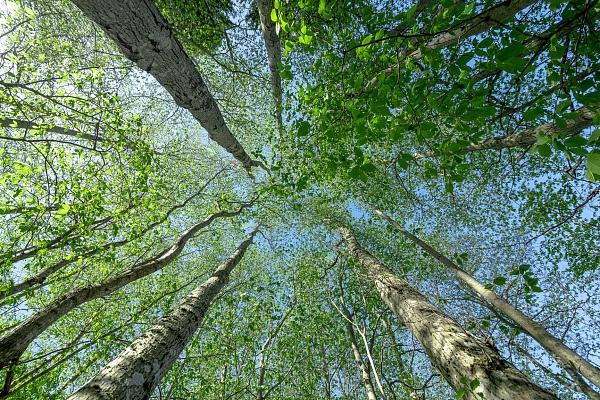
x=458 y=356
x=140 y=368
x=471 y=124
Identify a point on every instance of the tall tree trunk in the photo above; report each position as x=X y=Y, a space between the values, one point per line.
x=143 y=36
x=364 y=370
x=41 y=276
x=273 y=45
x=453 y=351
x=525 y=138
x=136 y=372
x=567 y=358
x=15 y=341
x=480 y=23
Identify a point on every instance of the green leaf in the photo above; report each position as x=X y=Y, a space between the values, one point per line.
x=532 y=114
x=64 y=209
x=274 y=15
x=593 y=162
x=276 y=5
x=447 y=3
x=523 y=268
x=474 y=384
x=460 y=393
x=543 y=138
x=576 y=141
x=321 y=7
x=544 y=150
x=368 y=167
x=354 y=172
x=411 y=12
x=304 y=128
x=560 y=123
x=485 y=43
x=499 y=280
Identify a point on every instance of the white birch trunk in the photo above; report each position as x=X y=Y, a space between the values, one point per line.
x=453 y=351
x=143 y=36
x=529 y=136
x=16 y=341
x=477 y=25
x=566 y=357
x=136 y=372
x=273 y=46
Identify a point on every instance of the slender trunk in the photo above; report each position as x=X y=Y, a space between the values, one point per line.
x=326 y=373
x=27 y=125
x=262 y=364
x=477 y=25
x=456 y=353
x=41 y=276
x=273 y=46
x=15 y=341
x=567 y=358
x=366 y=376
x=529 y=136
x=136 y=372
x=143 y=36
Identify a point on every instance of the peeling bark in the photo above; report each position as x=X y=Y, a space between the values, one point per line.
x=529 y=136
x=273 y=46
x=143 y=36
x=453 y=351
x=572 y=362
x=16 y=341
x=136 y=372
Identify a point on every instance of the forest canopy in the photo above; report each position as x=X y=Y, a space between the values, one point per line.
x=310 y=199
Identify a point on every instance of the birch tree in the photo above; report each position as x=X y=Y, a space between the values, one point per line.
x=465 y=361
x=141 y=367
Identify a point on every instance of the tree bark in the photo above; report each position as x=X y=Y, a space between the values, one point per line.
x=366 y=376
x=136 y=372
x=477 y=25
x=262 y=364
x=16 y=341
x=454 y=352
x=143 y=36
x=273 y=45
x=566 y=358
x=41 y=276
x=529 y=136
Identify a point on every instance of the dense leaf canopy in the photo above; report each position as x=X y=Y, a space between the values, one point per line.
x=473 y=125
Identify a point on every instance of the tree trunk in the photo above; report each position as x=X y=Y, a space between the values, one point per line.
x=529 y=136
x=143 y=36
x=566 y=357
x=456 y=353
x=366 y=376
x=136 y=372
x=41 y=276
x=15 y=341
x=273 y=46
x=476 y=25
